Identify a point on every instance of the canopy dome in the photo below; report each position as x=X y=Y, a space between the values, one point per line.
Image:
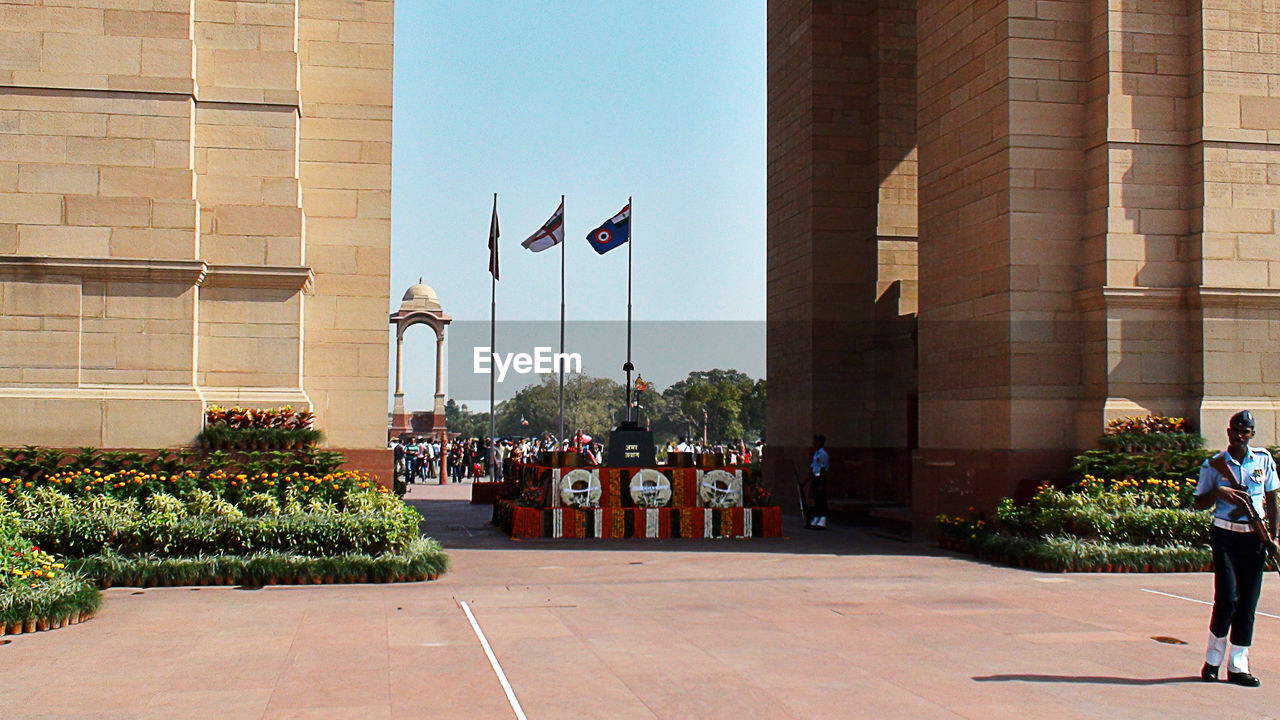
x=421 y=297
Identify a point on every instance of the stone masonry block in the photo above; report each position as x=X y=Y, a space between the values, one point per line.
x=112 y=212
x=31 y=208
x=1261 y=113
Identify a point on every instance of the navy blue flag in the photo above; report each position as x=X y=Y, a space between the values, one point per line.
x=614 y=232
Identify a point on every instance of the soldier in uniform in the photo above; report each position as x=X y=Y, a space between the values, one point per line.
x=818 y=467
x=1239 y=554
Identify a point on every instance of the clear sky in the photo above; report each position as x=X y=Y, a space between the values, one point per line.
x=598 y=101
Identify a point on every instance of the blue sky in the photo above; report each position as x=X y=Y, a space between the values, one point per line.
x=663 y=101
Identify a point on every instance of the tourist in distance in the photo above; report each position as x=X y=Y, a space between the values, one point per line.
x=411 y=459
x=1239 y=553
x=428 y=449
x=420 y=471
x=818 y=468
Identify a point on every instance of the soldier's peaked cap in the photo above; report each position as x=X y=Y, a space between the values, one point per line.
x=1242 y=420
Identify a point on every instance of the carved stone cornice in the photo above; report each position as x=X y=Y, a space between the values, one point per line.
x=108 y=269
x=1170 y=298
x=260 y=276
x=1225 y=297
x=190 y=272
x=1129 y=297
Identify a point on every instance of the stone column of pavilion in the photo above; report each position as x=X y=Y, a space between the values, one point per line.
x=420 y=306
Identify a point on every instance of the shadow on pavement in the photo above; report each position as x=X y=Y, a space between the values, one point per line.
x=458 y=524
x=1088 y=679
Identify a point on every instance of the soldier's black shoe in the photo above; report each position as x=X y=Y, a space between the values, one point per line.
x=1242 y=679
x=1209 y=673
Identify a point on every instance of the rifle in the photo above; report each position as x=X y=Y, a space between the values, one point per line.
x=804 y=506
x=1259 y=527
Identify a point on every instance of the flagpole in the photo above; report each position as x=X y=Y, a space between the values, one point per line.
x=493 y=320
x=561 y=360
x=630 y=241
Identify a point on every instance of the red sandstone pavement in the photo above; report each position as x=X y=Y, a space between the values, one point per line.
x=836 y=624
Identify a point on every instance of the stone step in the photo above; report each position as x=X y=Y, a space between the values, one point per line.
x=895 y=521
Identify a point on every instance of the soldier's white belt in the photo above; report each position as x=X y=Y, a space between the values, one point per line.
x=1232 y=526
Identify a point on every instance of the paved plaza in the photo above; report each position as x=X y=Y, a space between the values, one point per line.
x=841 y=624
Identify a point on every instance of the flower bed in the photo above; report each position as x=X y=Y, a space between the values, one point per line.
x=1130 y=511
x=134 y=527
x=30 y=467
x=421 y=559
x=36 y=591
x=263 y=429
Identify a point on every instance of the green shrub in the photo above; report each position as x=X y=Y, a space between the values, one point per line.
x=1140 y=442
x=260 y=504
x=1161 y=465
x=204 y=502
x=63 y=596
x=36 y=465
x=1104 y=516
x=166 y=505
x=81 y=535
x=419 y=559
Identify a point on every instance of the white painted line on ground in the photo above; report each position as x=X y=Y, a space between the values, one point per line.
x=1201 y=602
x=493 y=660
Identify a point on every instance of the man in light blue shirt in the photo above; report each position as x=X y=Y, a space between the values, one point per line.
x=1239 y=554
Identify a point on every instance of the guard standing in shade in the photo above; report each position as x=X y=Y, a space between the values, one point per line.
x=1239 y=554
x=818 y=468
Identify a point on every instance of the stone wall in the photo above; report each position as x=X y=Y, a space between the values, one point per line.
x=194 y=209
x=1097 y=207
x=841 y=248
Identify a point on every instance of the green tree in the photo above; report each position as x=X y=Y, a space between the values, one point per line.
x=590 y=405
x=460 y=419
x=729 y=403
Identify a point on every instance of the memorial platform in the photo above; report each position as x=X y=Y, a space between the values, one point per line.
x=542 y=501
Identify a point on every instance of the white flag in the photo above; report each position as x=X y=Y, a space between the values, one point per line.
x=550 y=234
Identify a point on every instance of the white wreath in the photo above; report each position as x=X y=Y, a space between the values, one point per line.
x=650 y=489
x=720 y=489
x=580 y=488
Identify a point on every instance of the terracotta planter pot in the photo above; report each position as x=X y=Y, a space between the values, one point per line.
x=15 y=627
x=29 y=625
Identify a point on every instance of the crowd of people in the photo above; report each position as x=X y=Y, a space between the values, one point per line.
x=418 y=459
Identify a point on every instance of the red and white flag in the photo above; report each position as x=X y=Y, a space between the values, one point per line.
x=550 y=234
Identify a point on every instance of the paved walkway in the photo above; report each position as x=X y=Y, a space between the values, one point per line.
x=836 y=624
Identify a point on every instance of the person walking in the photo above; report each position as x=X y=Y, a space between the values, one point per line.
x=1239 y=554
x=411 y=460
x=420 y=472
x=818 y=468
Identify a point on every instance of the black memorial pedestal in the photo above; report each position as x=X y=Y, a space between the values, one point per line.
x=630 y=445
